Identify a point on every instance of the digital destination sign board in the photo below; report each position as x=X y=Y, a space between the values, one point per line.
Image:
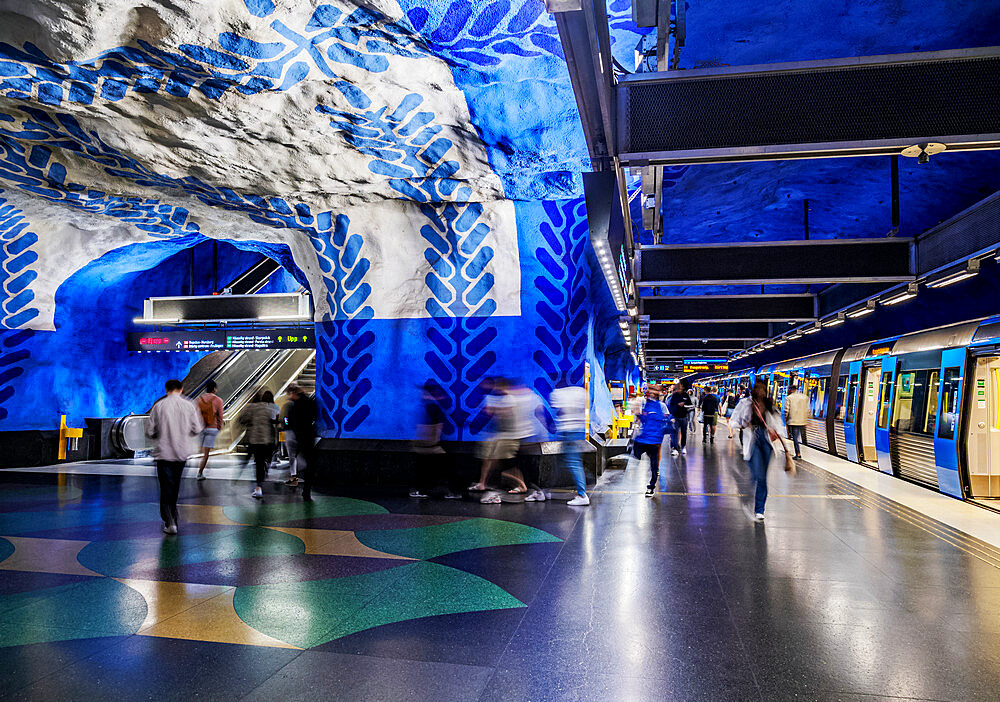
x=208 y=340
x=705 y=365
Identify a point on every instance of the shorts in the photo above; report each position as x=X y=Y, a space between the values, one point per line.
x=497 y=449
x=208 y=435
x=729 y=413
x=651 y=450
x=710 y=419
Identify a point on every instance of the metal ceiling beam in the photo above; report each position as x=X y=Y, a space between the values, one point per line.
x=859 y=106
x=586 y=73
x=667 y=346
x=760 y=263
x=747 y=308
x=696 y=331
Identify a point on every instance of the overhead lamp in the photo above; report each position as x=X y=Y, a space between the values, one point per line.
x=795 y=335
x=834 y=321
x=813 y=329
x=779 y=342
x=862 y=311
x=633 y=311
x=911 y=291
x=969 y=272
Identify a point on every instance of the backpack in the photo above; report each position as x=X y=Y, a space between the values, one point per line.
x=207 y=410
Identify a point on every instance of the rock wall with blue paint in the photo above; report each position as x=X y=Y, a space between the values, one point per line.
x=415 y=165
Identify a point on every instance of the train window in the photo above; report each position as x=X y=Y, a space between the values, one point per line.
x=840 y=403
x=816 y=392
x=883 y=402
x=852 y=398
x=914 y=404
x=949 y=402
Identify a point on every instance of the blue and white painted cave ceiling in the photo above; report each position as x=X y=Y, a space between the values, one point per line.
x=168 y=116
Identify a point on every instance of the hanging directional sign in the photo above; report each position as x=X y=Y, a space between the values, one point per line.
x=208 y=340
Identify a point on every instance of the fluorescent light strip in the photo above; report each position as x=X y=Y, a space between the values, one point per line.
x=810 y=330
x=833 y=322
x=143 y=320
x=860 y=313
x=898 y=298
x=964 y=275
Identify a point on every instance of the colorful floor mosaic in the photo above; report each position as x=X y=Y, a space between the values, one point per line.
x=281 y=574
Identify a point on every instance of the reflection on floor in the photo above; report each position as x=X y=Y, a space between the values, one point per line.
x=840 y=594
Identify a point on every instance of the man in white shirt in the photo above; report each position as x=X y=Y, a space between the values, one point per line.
x=570 y=403
x=173 y=424
x=798 y=415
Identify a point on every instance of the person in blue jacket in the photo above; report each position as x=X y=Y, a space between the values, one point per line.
x=652 y=428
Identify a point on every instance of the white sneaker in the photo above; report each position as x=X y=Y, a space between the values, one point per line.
x=684 y=451
x=491 y=498
x=675 y=452
x=201 y=476
x=535 y=496
x=258 y=493
x=579 y=501
x=417 y=494
x=452 y=496
x=170 y=529
x=759 y=517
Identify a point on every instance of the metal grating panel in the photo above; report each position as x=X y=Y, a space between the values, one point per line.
x=912 y=458
x=816 y=434
x=845 y=103
x=969 y=232
x=840 y=439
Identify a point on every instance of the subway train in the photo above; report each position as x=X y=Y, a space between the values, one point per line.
x=924 y=407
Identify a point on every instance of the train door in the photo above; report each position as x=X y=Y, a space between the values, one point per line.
x=852 y=381
x=883 y=414
x=867 y=407
x=946 y=434
x=984 y=430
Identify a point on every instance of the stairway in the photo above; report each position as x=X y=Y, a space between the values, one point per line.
x=307 y=378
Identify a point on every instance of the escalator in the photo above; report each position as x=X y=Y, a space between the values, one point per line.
x=238 y=376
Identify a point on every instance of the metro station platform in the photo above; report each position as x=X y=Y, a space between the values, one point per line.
x=842 y=594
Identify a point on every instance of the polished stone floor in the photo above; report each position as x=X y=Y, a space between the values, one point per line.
x=841 y=595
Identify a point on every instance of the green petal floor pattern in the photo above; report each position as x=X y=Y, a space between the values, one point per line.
x=312 y=613
x=438 y=539
x=96 y=608
x=119 y=559
x=18 y=523
x=278 y=513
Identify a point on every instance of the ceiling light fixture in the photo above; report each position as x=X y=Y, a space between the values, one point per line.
x=971 y=270
x=834 y=321
x=812 y=329
x=862 y=311
x=910 y=292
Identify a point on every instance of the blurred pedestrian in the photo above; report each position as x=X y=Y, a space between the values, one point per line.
x=764 y=423
x=301 y=418
x=709 y=415
x=570 y=403
x=652 y=429
x=797 y=416
x=528 y=431
x=173 y=423
x=499 y=445
x=679 y=404
x=261 y=421
x=291 y=445
x=210 y=407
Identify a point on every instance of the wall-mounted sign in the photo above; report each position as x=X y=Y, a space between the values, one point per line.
x=205 y=341
x=880 y=351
